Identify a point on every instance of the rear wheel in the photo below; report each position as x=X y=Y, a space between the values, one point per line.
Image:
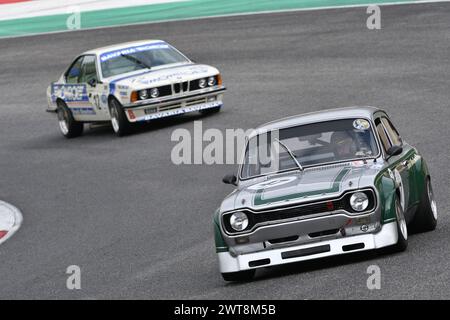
x=119 y=121
x=426 y=215
x=240 y=276
x=67 y=124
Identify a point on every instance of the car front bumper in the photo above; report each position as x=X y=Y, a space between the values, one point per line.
x=385 y=237
x=171 y=106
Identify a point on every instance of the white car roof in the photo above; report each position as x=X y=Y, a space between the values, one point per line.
x=120 y=46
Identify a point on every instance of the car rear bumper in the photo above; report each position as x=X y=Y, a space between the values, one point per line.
x=385 y=237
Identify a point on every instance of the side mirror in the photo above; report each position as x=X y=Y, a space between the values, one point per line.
x=230 y=179
x=394 y=151
x=92 y=82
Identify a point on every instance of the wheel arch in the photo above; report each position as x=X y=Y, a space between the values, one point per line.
x=221 y=246
x=387 y=191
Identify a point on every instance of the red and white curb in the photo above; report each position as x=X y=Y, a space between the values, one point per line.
x=10 y=220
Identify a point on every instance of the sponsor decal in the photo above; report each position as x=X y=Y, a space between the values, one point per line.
x=259 y=198
x=83 y=111
x=361 y=124
x=169 y=113
x=177 y=75
x=272 y=183
x=117 y=53
x=69 y=92
x=357 y=163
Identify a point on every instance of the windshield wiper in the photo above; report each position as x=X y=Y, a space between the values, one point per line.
x=134 y=59
x=291 y=154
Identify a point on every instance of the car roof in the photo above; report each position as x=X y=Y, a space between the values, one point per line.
x=317 y=116
x=120 y=46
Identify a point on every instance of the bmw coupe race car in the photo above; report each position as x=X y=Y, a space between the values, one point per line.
x=322 y=184
x=132 y=82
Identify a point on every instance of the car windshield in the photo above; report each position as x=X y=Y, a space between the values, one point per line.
x=311 y=144
x=130 y=59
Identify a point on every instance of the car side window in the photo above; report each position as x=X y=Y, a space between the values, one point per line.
x=73 y=74
x=392 y=132
x=383 y=135
x=88 y=69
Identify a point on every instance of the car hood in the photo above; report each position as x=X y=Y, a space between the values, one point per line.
x=164 y=76
x=298 y=187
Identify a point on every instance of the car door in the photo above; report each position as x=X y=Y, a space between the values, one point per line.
x=94 y=88
x=399 y=165
x=73 y=92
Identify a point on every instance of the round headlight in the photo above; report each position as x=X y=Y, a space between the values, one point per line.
x=211 y=81
x=239 y=221
x=154 y=93
x=202 y=83
x=359 y=201
x=143 y=94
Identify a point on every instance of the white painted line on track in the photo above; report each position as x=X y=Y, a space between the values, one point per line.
x=31 y=9
x=10 y=220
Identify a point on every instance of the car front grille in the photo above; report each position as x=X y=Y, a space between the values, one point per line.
x=283 y=214
x=299 y=211
x=180 y=87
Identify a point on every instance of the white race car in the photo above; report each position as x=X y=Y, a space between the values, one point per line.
x=132 y=82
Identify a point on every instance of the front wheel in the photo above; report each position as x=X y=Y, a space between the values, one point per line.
x=119 y=121
x=240 y=276
x=402 y=228
x=67 y=124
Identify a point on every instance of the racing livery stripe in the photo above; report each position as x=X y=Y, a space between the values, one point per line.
x=259 y=200
x=112 y=84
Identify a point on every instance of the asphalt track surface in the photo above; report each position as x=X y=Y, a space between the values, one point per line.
x=140 y=227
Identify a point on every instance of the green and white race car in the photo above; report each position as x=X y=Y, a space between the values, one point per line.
x=322 y=184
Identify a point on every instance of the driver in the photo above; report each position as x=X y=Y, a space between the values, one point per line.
x=343 y=145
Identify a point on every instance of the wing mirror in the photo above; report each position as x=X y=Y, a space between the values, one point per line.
x=394 y=151
x=230 y=179
x=92 y=82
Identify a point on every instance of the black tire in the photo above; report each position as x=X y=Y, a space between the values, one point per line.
x=402 y=228
x=240 y=276
x=210 y=111
x=67 y=124
x=119 y=121
x=425 y=218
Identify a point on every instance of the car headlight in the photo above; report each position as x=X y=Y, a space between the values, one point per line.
x=143 y=94
x=202 y=83
x=239 y=221
x=359 y=201
x=154 y=93
x=211 y=81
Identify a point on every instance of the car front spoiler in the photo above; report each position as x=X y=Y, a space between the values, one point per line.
x=387 y=236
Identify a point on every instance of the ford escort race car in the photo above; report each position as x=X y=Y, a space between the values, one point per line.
x=322 y=184
x=132 y=82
